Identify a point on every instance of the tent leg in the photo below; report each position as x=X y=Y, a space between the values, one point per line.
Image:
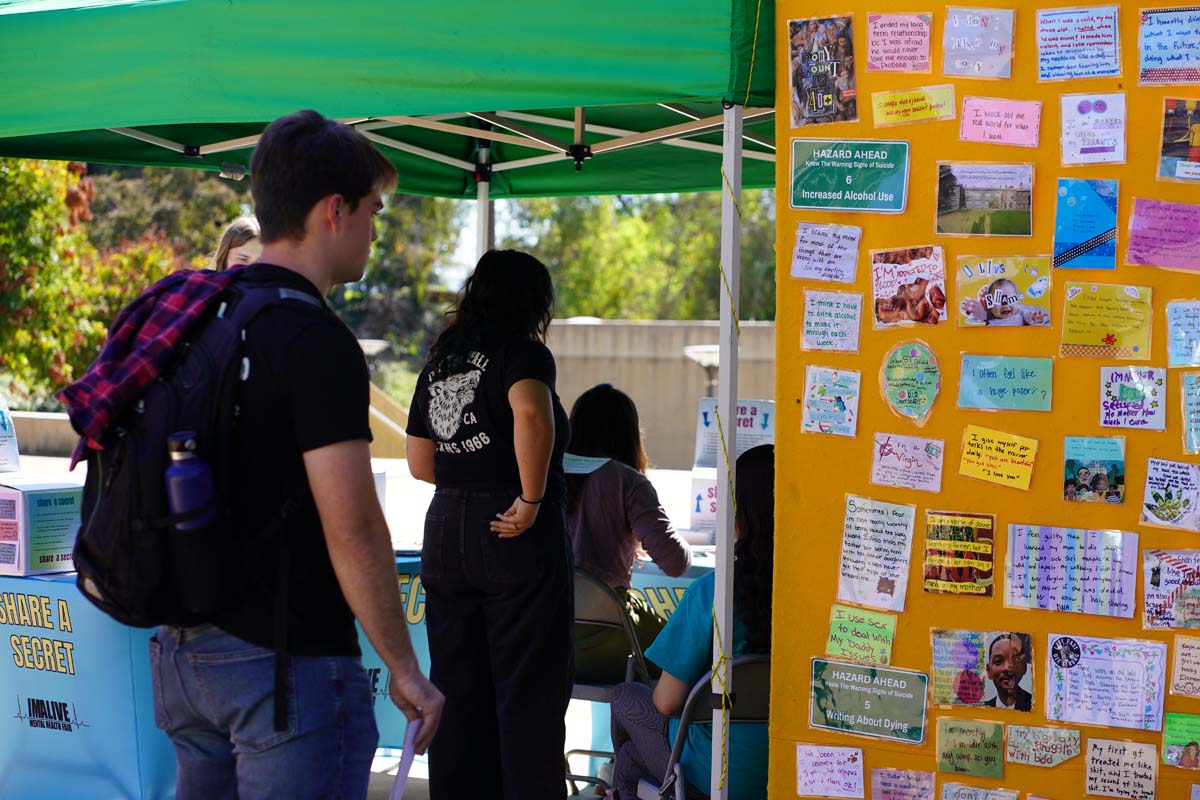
x=727 y=396
x=485 y=228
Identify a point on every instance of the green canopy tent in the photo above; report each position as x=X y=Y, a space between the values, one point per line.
x=473 y=99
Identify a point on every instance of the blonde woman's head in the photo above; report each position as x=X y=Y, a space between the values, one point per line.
x=239 y=244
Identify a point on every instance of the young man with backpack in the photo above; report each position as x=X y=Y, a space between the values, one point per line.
x=265 y=695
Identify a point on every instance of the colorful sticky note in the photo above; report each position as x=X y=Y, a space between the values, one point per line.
x=1002 y=458
x=970 y=747
x=978 y=42
x=1133 y=397
x=1164 y=234
x=1169 y=46
x=1006 y=383
x=1078 y=43
x=1041 y=747
x=902 y=106
x=898 y=42
x=1093 y=128
x=860 y=635
x=1107 y=321
x=992 y=120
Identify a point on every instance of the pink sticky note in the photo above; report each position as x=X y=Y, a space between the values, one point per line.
x=1164 y=234
x=991 y=120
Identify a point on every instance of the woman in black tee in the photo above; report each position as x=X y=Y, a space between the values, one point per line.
x=487 y=428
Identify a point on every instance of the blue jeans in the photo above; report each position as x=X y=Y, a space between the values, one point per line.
x=214 y=696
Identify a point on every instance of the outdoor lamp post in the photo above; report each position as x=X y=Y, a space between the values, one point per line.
x=709 y=357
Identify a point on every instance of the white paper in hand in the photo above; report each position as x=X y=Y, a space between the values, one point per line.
x=406 y=758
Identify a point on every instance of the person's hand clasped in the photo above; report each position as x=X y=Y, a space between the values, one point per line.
x=518 y=519
x=414 y=695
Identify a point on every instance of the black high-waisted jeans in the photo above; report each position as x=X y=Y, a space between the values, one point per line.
x=500 y=619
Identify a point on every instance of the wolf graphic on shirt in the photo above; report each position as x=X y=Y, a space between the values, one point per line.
x=448 y=398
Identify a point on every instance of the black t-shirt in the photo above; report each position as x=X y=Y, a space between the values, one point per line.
x=307 y=388
x=461 y=404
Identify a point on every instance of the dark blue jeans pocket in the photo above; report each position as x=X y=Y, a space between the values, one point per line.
x=433 y=547
x=161 y=718
x=240 y=685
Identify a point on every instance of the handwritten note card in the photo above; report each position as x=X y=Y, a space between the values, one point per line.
x=826 y=252
x=1169 y=46
x=1133 y=397
x=1093 y=128
x=998 y=457
x=830 y=401
x=1006 y=383
x=1071 y=569
x=1108 y=682
x=1121 y=769
x=902 y=106
x=1106 y=320
x=907 y=462
x=1171 y=588
x=1041 y=747
x=832 y=321
x=1185 y=670
x=958 y=553
x=1078 y=43
x=991 y=120
x=970 y=747
x=911 y=379
x=898 y=42
x=958 y=791
x=901 y=784
x=1164 y=234
x=1183 y=333
x=978 y=42
x=876 y=546
x=824 y=771
x=860 y=635
x=1189 y=389
x=1172 y=495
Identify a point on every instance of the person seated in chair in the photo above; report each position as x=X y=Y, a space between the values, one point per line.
x=612 y=509
x=642 y=728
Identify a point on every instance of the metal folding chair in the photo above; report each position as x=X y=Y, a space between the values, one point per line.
x=750 y=703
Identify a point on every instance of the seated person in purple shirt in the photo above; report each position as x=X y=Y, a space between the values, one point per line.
x=612 y=508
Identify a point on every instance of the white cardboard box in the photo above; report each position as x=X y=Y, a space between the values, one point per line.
x=39 y=519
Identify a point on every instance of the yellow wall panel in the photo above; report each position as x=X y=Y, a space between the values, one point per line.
x=815 y=472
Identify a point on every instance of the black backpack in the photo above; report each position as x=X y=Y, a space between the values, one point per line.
x=132 y=562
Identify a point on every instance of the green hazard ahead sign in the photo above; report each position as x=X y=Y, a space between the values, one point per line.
x=850 y=175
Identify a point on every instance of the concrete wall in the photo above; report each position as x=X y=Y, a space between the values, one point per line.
x=646 y=361
x=44 y=434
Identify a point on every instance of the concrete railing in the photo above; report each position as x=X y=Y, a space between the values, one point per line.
x=646 y=361
x=50 y=434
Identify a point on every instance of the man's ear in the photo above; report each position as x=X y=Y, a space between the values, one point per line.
x=330 y=210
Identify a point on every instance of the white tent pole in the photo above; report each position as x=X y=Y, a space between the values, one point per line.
x=486 y=216
x=727 y=396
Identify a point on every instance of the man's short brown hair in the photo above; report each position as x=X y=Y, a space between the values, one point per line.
x=303 y=157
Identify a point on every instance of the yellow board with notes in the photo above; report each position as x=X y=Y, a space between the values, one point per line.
x=1022 y=505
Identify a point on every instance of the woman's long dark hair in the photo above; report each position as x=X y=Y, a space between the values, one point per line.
x=754 y=551
x=508 y=294
x=604 y=424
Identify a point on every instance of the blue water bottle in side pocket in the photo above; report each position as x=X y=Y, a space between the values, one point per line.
x=189 y=479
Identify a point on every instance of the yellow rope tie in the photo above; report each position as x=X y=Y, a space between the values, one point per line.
x=718 y=675
x=725 y=278
x=753 y=53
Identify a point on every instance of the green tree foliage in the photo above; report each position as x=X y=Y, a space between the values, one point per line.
x=189 y=207
x=653 y=257
x=397 y=298
x=58 y=292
